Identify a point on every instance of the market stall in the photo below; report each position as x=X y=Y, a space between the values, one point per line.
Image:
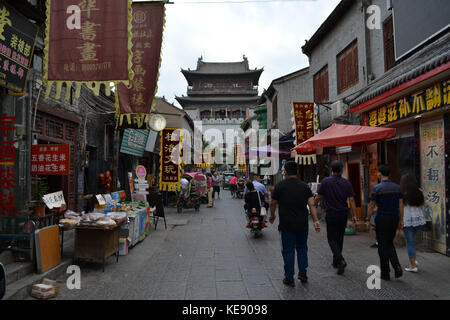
x=98 y=234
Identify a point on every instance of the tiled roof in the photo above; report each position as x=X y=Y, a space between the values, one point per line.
x=426 y=59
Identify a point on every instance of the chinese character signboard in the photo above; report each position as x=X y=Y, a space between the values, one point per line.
x=50 y=159
x=433 y=178
x=87 y=41
x=134 y=142
x=430 y=99
x=206 y=161
x=17 y=39
x=240 y=159
x=305 y=124
x=136 y=102
x=170 y=160
x=7 y=167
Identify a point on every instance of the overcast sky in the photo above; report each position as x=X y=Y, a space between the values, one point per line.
x=270 y=34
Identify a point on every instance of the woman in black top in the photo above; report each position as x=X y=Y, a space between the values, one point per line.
x=252 y=201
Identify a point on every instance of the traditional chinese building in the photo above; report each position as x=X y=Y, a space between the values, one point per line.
x=221 y=94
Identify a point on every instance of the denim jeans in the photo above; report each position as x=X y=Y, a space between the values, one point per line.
x=410 y=233
x=291 y=242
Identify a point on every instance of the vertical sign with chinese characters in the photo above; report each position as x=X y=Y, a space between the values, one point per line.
x=240 y=159
x=433 y=178
x=304 y=124
x=170 y=160
x=87 y=42
x=50 y=159
x=17 y=39
x=136 y=102
x=7 y=166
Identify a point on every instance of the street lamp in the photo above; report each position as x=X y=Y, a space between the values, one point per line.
x=157 y=122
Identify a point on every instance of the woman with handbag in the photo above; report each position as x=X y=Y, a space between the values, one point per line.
x=413 y=218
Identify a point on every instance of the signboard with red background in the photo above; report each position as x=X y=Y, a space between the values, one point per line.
x=304 y=122
x=50 y=159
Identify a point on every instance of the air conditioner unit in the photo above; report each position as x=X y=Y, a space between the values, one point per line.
x=338 y=109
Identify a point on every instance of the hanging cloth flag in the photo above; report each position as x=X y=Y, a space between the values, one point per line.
x=306 y=123
x=135 y=103
x=87 y=42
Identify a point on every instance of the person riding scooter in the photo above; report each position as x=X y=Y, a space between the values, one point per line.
x=252 y=206
x=240 y=188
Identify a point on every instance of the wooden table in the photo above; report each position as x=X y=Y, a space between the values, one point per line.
x=96 y=244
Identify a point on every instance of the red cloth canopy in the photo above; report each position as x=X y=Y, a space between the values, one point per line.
x=346 y=135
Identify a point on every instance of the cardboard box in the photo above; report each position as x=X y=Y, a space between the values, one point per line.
x=44 y=291
x=361 y=226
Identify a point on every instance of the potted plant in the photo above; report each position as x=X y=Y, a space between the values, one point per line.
x=39 y=190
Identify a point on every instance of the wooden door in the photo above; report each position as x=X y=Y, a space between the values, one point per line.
x=354 y=176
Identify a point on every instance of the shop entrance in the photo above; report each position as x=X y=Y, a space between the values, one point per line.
x=55 y=130
x=354 y=176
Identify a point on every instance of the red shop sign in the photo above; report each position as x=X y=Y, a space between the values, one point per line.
x=50 y=159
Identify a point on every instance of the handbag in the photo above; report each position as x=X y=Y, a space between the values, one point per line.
x=263 y=209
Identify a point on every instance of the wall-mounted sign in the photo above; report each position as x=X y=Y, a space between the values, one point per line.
x=134 y=142
x=50 y=159
x=17 y=39
x=432 y=149
x=141 y=172
x=7 y=167
x=432 y=98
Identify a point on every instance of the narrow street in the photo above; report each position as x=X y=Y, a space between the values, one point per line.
x=210 y=255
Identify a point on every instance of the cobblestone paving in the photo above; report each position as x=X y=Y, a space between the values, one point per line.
x=212 y=256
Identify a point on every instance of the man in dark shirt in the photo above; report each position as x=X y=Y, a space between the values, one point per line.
x=389 y=199
x=292 y=197
x=335 y=191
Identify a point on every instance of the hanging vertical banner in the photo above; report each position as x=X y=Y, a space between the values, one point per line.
x=305 y=122
x=87 y=42
x=17 y=40
x=170 y=161
x=135 y=103
x=240 y=158
x=432 y=149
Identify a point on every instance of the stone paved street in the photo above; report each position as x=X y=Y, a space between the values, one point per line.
x=210 y=255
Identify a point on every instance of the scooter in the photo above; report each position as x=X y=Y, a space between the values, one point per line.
x=255 y=225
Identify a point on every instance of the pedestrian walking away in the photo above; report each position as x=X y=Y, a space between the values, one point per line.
x=413 y=219
x=335 y=191
x=292 y=197
x=233 y=186
x=216 y=185
x=389 y=199
x=210 y=186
